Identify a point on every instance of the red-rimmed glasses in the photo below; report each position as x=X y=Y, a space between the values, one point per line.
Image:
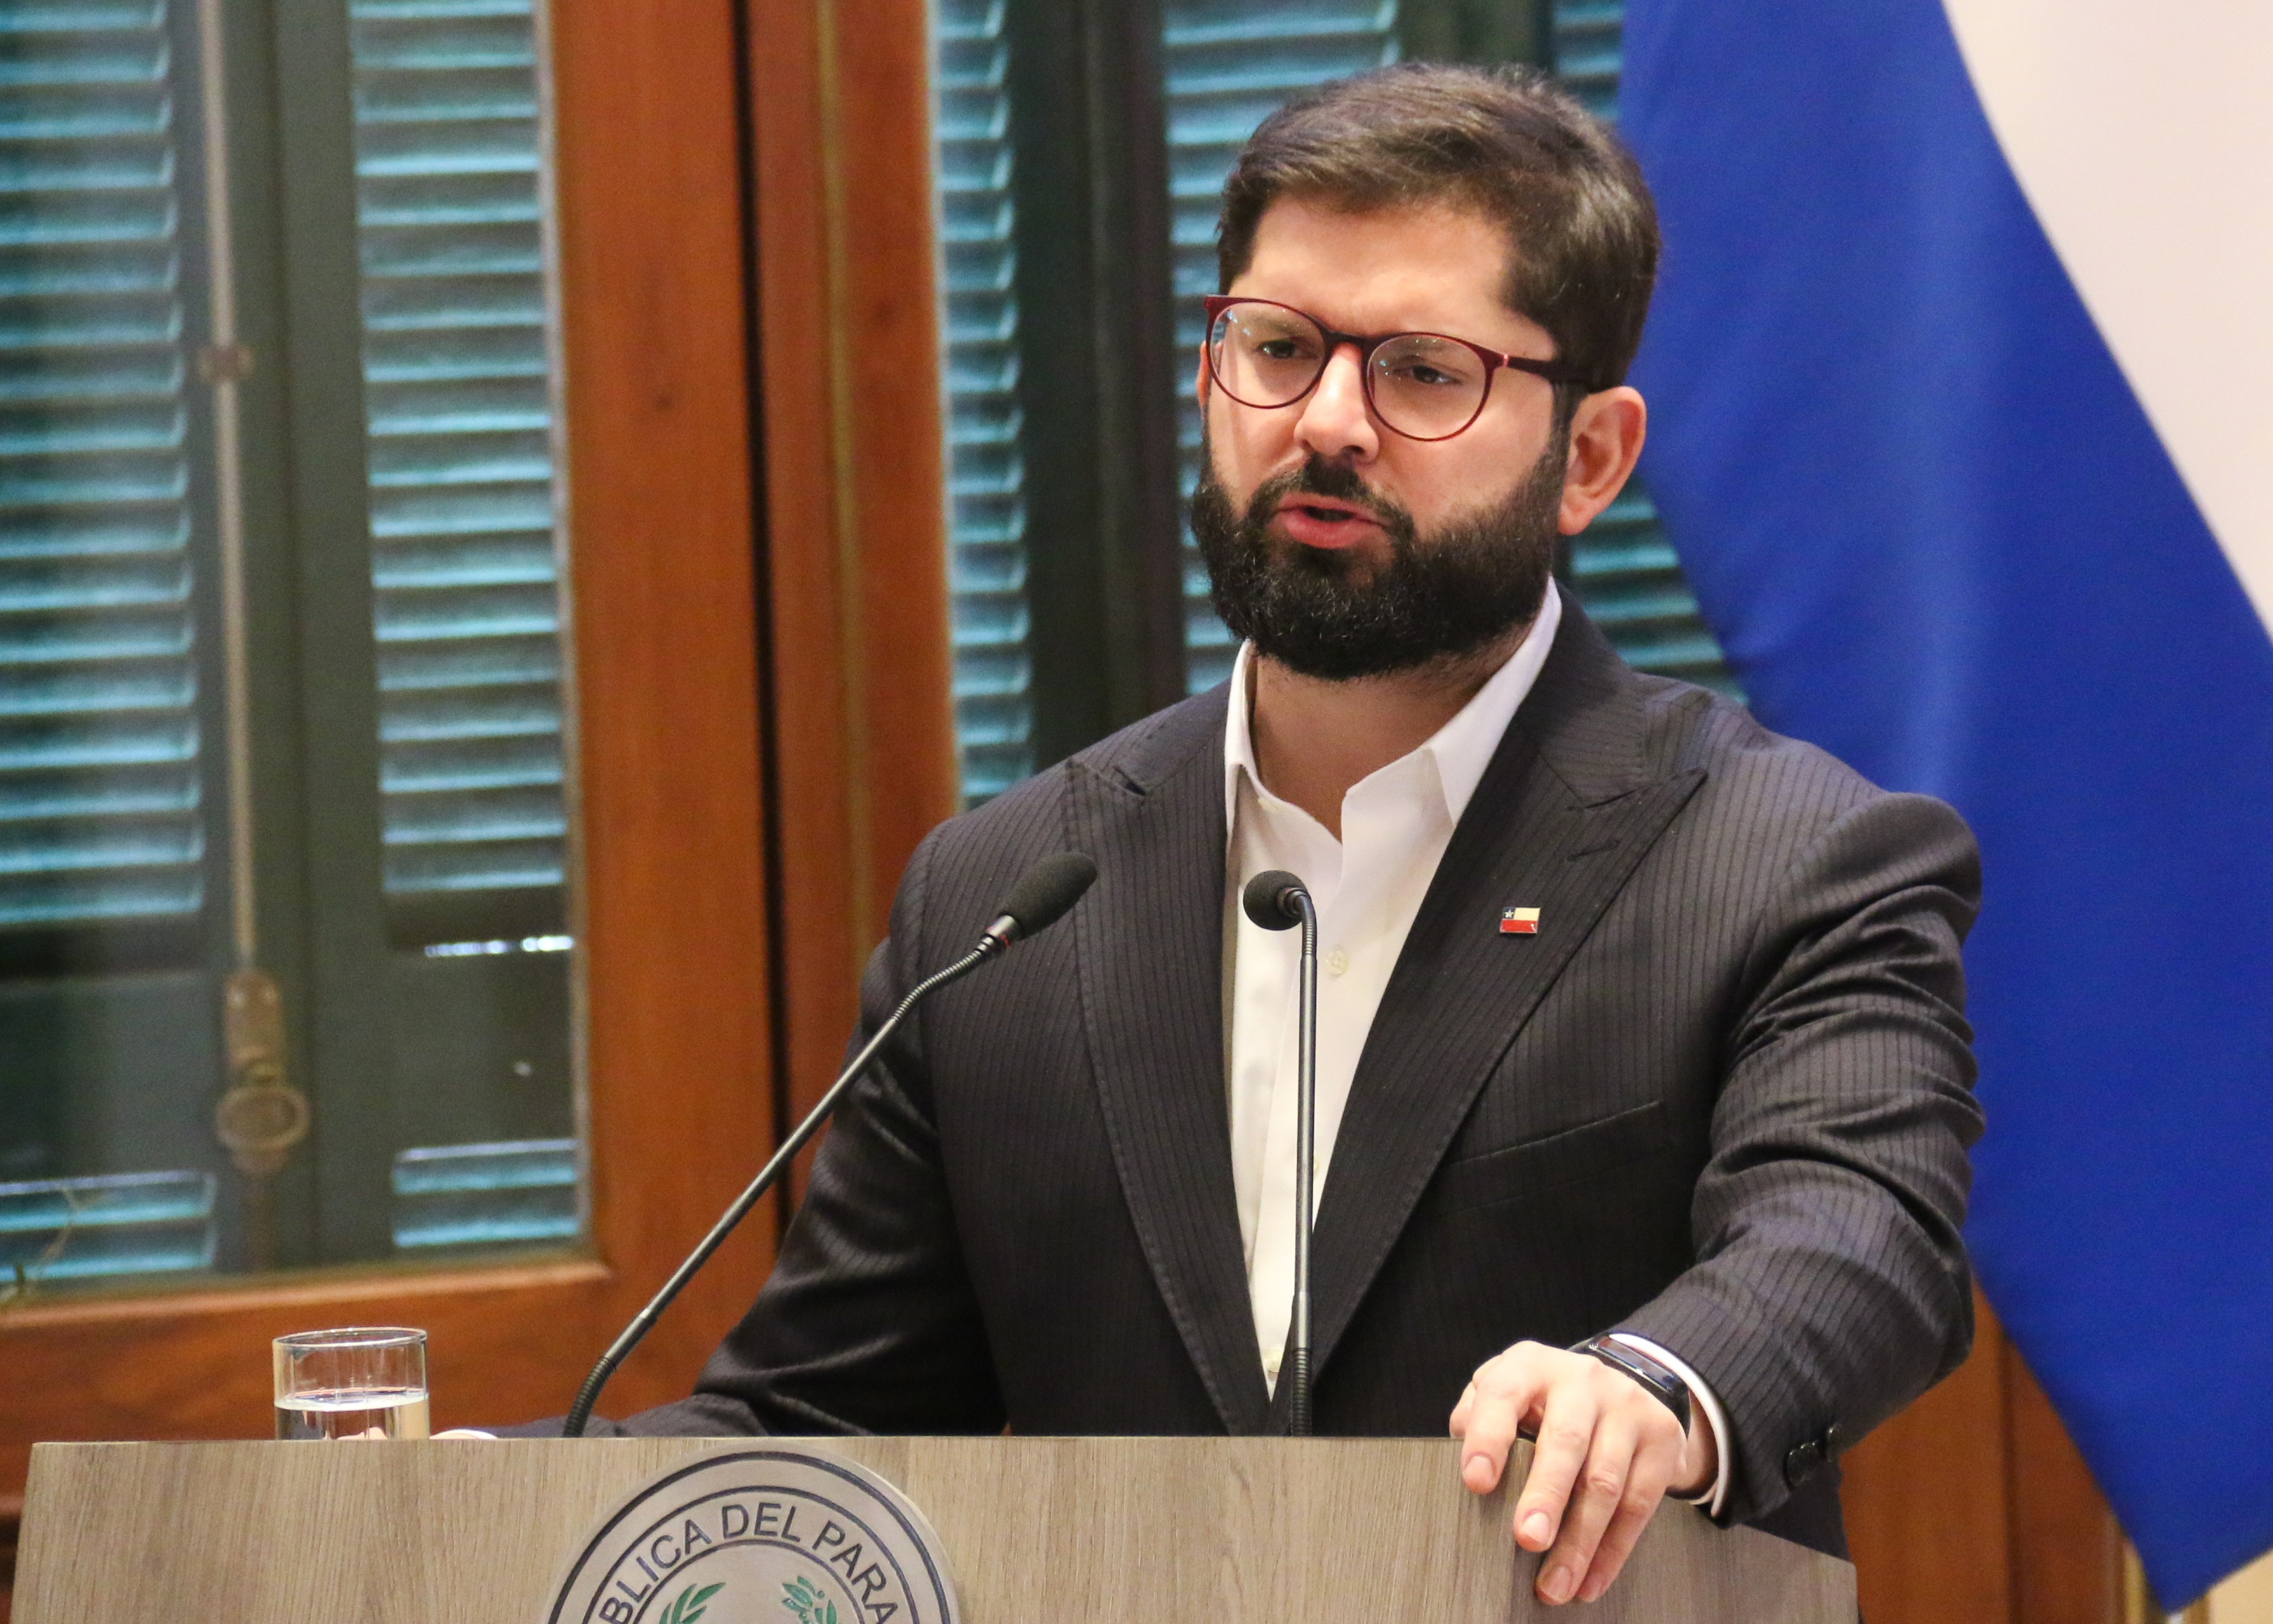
x=1423 y=386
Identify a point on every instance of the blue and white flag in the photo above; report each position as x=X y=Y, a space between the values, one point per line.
x=1960 y=376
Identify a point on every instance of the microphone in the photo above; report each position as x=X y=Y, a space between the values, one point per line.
x=1040 y=900
x=1279 y=901
x=1041 y=897
x=1270 y=900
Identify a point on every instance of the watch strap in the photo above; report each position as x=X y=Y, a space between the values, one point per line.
x=1668 y=1388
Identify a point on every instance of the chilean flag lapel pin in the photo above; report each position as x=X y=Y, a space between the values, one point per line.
x=1518 y=922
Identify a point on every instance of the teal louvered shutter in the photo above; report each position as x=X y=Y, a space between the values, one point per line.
x=458 y=390
x=458 y=387
x=1228 y=63
x=1585 y=40
x=985 y=462
x=113 y=780
x=105 y=1227
x=100 y=772
x=1623 y=568
x=485 y=1194
x=103 y=780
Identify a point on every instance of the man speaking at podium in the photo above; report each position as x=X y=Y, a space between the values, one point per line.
x=1643 y=1091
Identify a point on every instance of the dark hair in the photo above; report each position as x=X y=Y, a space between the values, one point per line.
x=1582 y=231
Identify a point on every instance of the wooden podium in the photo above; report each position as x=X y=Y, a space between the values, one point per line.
x=1097 y=1530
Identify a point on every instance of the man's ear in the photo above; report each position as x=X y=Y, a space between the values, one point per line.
x=1606 y=436
x=1200 y=382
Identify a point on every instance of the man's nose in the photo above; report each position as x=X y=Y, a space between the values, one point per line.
x=1335 y=422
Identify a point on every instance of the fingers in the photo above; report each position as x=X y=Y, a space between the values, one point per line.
x=1634 y=1456
x=1645 y=1491
x=1601 y=1485
x=1492 y=1414
x=1636 y=1451
x=1566 y=1436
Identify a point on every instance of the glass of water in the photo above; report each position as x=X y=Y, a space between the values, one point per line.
x=365 y=1381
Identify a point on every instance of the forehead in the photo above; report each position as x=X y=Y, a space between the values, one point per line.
x=1431 y=266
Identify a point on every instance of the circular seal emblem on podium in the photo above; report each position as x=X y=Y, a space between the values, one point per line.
x=773 y=1533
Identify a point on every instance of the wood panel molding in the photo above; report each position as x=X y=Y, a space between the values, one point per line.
x=856 y=559
x=1973 y=1504
x=673 y=969
x=1106 y=1531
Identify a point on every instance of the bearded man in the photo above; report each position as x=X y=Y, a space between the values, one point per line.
x=1644 y=1085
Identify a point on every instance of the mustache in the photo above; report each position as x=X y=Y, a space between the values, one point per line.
x=1319 y=477
x=1341 y=614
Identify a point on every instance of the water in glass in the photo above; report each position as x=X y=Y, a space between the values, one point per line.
x=361 y=1381
x=353 y=1413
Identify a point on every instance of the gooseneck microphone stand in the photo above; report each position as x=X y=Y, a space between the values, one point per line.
x=1041 y=896
x=1279 y=901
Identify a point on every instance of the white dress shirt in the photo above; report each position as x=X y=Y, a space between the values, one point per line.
x=1368 y=886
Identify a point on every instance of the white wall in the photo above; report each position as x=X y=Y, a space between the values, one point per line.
x=2246 y=1597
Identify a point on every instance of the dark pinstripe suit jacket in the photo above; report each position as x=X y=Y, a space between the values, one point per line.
x=1721 y=1099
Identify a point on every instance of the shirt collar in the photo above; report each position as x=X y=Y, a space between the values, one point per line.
x=1462 y=748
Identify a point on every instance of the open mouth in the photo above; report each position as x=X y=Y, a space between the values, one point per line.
x=1326 y=510
x=1326 y=523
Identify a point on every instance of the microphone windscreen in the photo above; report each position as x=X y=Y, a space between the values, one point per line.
x=1267 y=902
x=1044 y=891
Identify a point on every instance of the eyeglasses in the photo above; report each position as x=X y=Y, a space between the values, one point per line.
x=1423 y=386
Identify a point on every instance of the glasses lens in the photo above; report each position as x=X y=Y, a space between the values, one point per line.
x=1427 y=386
x=1265 y=355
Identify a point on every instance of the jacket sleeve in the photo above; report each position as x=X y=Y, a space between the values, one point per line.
x=868 y=1323
x=1831 y=1285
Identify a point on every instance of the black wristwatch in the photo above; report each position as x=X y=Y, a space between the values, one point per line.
x=1668 y=1388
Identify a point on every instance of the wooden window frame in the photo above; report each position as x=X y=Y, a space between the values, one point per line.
x=675 y=123
x=861 y=718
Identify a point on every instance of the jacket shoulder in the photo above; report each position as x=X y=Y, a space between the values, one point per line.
x=1783 y=798
x=1180 y=737
x=980 y=851
x=1689 y=726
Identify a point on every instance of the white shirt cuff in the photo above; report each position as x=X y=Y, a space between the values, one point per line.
x=1703 y=1401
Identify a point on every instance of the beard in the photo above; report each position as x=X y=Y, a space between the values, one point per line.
x=1336 y=615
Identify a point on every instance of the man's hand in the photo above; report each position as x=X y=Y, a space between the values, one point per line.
x=378 y=1434
x=1607 y=1453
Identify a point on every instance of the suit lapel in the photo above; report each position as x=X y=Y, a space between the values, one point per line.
x=1150 y=940
x=1563 y=816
